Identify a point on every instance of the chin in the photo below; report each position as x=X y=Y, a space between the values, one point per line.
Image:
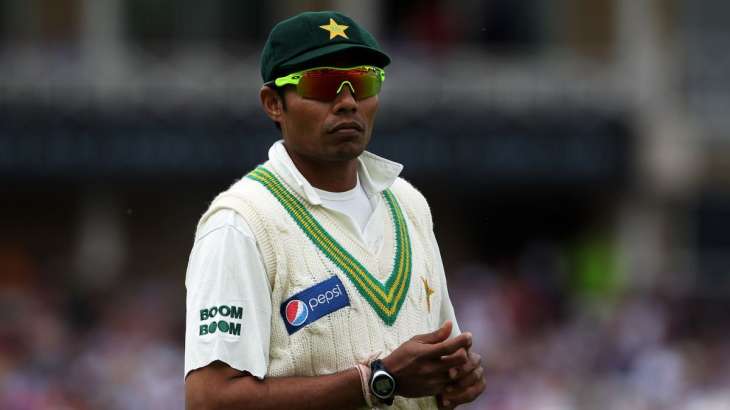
x=348 y=150
x=347 y=155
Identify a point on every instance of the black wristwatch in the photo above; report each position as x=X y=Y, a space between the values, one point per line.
x=382 y=384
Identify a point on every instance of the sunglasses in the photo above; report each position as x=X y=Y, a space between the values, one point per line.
x=325 y=83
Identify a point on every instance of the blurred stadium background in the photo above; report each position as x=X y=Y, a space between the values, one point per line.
x=576 y=155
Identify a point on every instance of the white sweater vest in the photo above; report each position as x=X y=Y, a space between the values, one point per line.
x=293 y=263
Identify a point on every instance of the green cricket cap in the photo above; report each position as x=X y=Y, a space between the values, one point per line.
x=297 y=42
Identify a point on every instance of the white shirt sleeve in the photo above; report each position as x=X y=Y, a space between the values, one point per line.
x=228 y=315
x=447 y=309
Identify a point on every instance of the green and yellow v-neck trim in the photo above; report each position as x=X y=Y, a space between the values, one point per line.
x=386 y=299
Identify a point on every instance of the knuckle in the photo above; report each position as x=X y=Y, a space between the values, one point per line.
x=468 y=368
x=463 y=358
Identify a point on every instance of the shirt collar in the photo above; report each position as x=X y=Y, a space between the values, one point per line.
x=376 y=173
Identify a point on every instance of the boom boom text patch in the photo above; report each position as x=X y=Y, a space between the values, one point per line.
x=313 y=303
x=221 y=319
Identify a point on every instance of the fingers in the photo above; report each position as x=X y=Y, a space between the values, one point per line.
x=438 y=335
x=470 y=378
x=438 y=381
x=450 y=346
x=459 y=396
x=465 y=389
x=472 y=362
x=459 y=358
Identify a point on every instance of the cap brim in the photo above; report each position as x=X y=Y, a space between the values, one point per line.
x=369 y=56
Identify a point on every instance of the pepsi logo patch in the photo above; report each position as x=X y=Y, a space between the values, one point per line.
x=314 y=303
x=296 y=312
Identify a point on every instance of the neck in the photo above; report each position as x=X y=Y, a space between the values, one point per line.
x=332 y=176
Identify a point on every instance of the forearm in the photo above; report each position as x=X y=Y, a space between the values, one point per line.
x=340 y=390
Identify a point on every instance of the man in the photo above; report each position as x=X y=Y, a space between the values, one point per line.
x=315 y=282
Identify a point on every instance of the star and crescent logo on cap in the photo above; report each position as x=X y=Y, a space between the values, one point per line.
x=335 y=29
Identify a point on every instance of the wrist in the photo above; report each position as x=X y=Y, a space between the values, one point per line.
x=364 y=372
x=389 y=364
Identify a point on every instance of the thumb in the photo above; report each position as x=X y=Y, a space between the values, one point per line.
x=438 y=335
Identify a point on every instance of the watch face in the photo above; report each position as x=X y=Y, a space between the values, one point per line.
x=383 y=385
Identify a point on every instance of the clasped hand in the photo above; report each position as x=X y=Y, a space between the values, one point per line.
x=431 y=364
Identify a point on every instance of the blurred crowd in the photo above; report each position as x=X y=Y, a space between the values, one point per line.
x=555 y=351
x=546 y=345
x=118 y=348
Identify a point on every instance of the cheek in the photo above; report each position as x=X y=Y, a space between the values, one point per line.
x=307 y=118
x=369 y=109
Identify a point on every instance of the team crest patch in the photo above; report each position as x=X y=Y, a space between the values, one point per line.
x=313 y=303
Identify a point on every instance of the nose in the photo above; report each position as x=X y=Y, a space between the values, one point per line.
x=345 y=101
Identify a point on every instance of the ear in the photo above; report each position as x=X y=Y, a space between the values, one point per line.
x=271 y=102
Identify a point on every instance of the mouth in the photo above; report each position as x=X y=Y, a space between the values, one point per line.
x=347 y=127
